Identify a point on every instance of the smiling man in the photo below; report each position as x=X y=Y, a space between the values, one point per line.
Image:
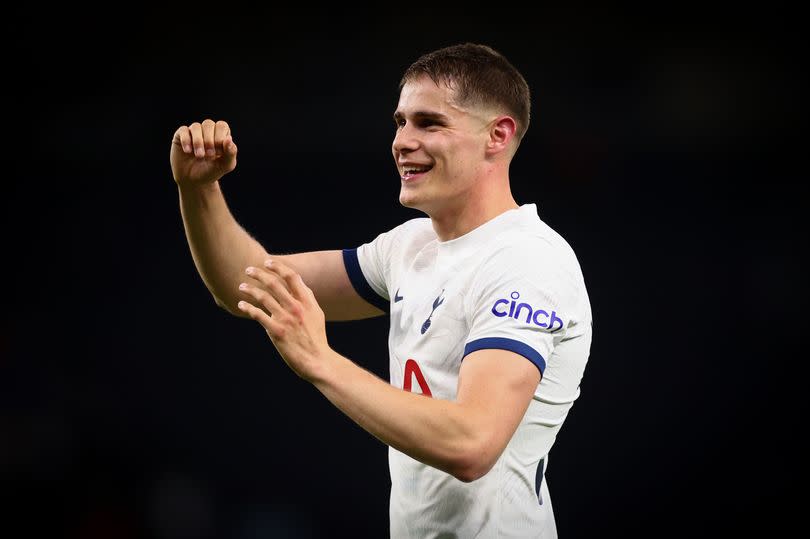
x=490 y=318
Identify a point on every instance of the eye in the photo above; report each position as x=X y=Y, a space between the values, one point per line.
x=429 y=124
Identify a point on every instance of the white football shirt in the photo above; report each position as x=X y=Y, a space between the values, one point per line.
x=513 y=283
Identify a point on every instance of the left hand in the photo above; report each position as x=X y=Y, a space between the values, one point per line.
x=278 y=299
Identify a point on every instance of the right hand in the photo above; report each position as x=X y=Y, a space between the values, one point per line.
x=202 y=153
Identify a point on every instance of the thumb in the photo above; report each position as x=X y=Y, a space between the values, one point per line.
x=227 y=161
x=230 y=146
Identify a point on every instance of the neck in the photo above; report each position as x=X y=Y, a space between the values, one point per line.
x=473 y=209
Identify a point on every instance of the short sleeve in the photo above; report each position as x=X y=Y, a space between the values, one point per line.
x=516 y=304
x=369 y=266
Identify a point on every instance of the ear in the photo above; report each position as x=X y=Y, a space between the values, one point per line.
x=501 y=133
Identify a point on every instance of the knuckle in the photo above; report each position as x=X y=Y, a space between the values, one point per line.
x=275 y=283
x=259 y=275
x=208 y=122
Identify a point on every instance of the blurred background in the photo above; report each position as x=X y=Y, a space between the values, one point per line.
x=664 y=147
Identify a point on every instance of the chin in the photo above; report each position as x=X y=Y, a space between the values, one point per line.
x=415 y=203
x=408 y=200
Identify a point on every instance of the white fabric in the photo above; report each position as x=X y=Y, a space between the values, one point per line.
x=511 y=283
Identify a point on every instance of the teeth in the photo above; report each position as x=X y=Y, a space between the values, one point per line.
x=414 y=170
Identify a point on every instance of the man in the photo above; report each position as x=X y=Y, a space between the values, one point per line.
x=490 y=318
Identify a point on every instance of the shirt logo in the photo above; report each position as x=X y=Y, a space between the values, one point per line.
x=438 y=301
x=538 y=317
x=397 y=297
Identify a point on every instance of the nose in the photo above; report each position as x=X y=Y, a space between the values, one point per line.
x=405 y=140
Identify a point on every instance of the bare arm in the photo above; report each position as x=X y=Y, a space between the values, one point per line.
x=464 y=437
x=221 y=248
x=325 y=273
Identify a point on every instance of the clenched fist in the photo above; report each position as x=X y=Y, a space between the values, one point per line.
x=202 y=152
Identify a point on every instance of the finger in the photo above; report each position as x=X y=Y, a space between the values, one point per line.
x=195 y=130
x=304 y=291
x=262 y=298
x=182 y=138
x=221 y=131
x=294 y=281
x=208 y=137
x=274 y=329
x=274 y=286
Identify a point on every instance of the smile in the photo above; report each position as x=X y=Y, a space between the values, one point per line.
x=410 y=174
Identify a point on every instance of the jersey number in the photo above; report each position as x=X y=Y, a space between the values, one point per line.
x=412 y=370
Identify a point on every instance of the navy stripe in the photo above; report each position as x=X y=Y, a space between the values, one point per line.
x=359 y=281
x=507 y=344
x=538 y=479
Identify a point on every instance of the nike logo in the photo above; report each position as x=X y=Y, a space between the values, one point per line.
x=397 y=297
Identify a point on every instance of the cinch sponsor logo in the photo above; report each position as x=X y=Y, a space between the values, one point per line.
x=516 y=310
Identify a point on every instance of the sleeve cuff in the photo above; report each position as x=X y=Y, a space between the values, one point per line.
x=512 y=345
x=360 y=283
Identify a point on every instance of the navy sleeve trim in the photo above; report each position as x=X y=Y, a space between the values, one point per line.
x=359 y=281
x=507 y=344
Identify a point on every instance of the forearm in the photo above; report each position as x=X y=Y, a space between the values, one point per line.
x=220 y=247
x=440 y=433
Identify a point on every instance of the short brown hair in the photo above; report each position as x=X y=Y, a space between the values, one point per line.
x=478 y=75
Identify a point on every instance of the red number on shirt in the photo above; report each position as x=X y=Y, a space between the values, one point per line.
x=412 y=368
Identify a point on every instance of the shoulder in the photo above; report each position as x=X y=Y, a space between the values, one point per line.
x=531 y=256
x=396 y=244
x=411 y=236
x=533 y=247
x=419 y=226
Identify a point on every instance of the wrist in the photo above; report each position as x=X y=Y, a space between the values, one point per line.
x=200 y=188
x=199 y=195
x=325 y=369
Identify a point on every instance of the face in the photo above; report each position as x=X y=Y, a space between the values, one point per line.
x=438 y=147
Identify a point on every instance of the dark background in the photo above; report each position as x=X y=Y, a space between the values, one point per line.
x=664 y=146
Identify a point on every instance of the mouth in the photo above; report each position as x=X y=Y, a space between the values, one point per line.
x=412 y=173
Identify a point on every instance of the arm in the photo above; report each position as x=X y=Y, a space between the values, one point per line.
x=200 y=155
x=464 y=437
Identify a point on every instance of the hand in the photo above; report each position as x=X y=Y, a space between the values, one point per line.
x=290 y=314
x=202 y=153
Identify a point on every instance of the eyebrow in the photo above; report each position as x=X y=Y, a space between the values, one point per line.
x=424 y=115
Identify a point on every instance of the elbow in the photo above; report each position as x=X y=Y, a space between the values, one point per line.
x=471 y=472
x=469 y=475
x=473 y=463
x=228 y=308
x=222 y=305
